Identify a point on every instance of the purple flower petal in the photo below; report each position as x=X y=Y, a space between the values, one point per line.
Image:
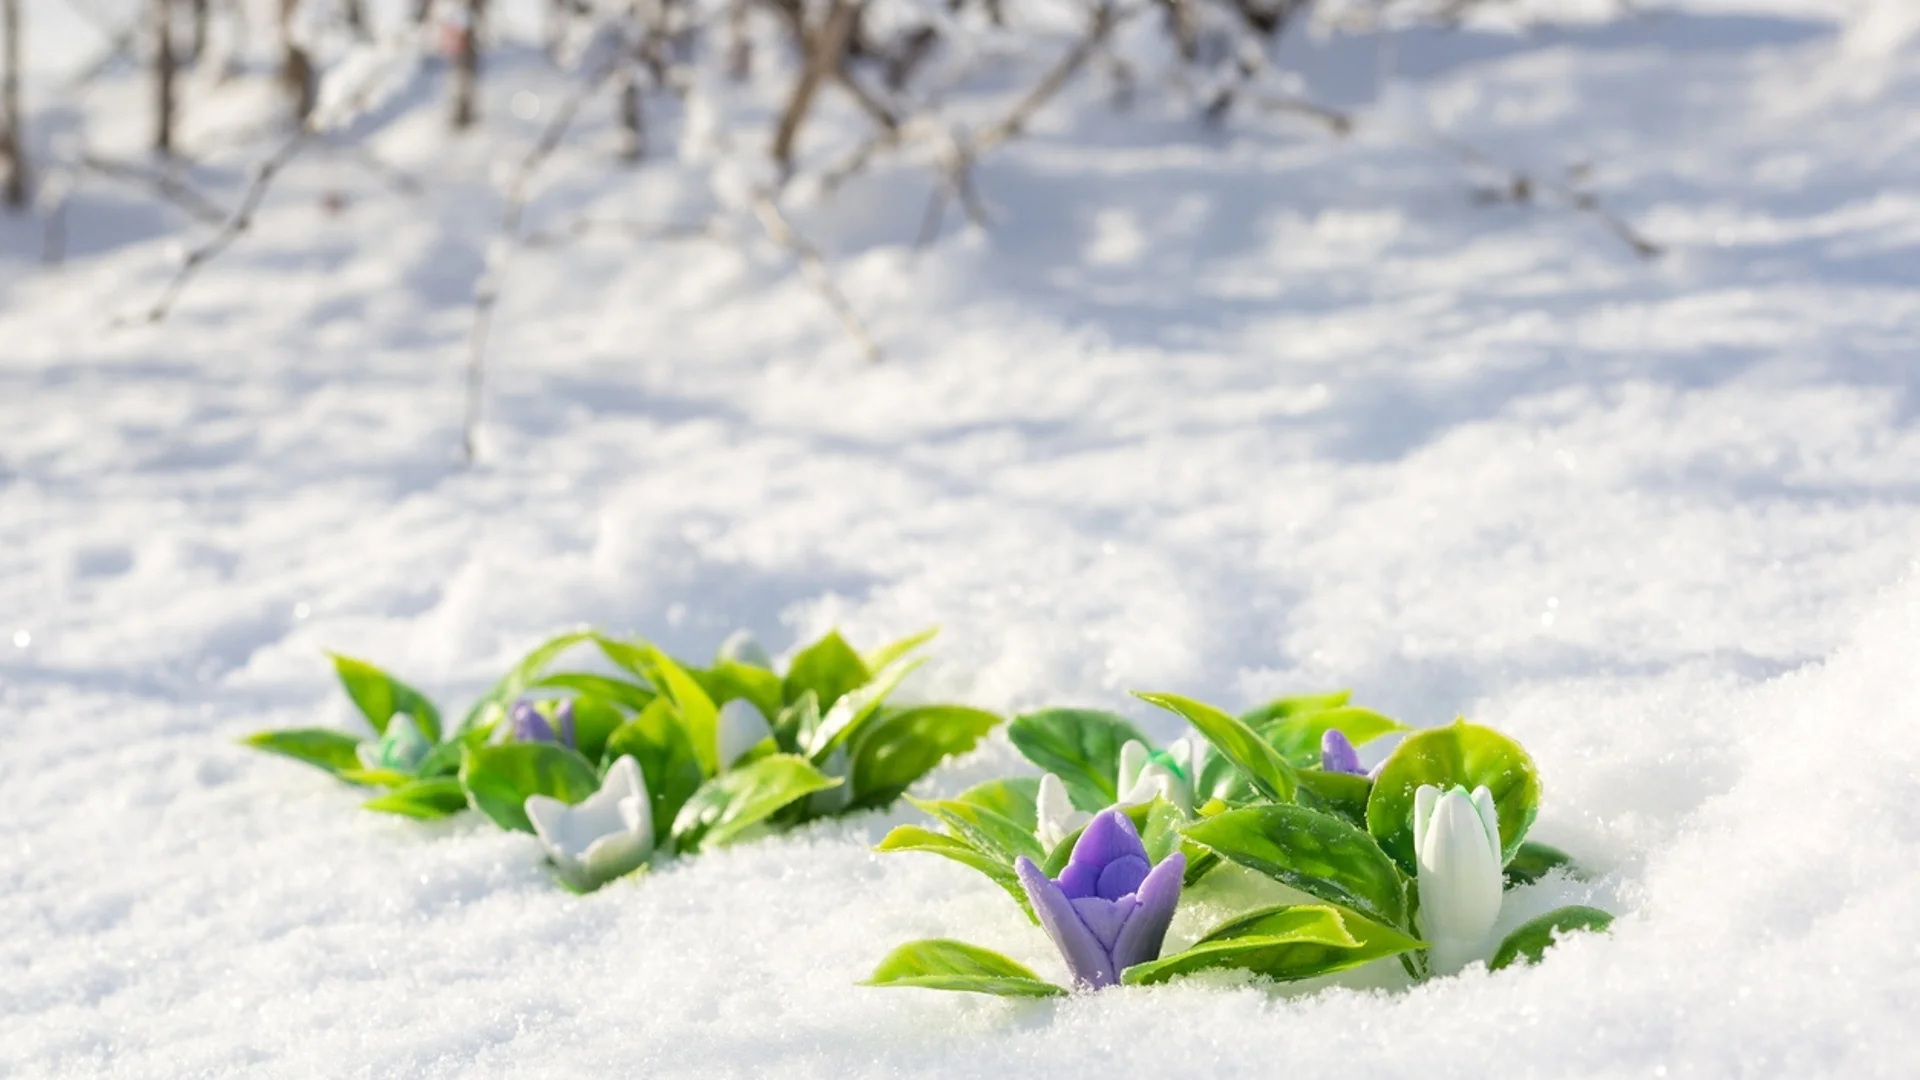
x=1338 y=755
x=1146 y=928
x=1109 y=838
x=1080 y=879
x=1085 y=956
x=563 y=722
x=1121 y=877
x=1104 y=918
x=528 y=724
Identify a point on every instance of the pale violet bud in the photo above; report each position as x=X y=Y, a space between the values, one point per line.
x=1146 y=773
x=1456 y=840
x=1056 y=819
x=742 y=727
x=741 y=647
x=609 y=834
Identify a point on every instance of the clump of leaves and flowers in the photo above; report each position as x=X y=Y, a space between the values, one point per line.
x=614 y=770
x=1408 y=861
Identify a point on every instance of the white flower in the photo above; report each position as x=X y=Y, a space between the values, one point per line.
x=1142 y=776
x=1056 y=817
x=742 y=648
x=1456 y=840
x=608 y=834
x=401 y=748
x=742 y=727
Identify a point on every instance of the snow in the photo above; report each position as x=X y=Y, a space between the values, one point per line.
x=1228 y=414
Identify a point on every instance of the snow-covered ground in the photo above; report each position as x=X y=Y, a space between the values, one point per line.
x=1230 y=414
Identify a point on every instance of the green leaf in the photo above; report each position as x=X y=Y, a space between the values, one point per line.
x=424 y=800
x=377 y=777
x=1217 y=777
x=882 y=657
x=1286 y=943
x=738 y=799
x=444 y=759
x=916 y=838
x=1534 y=861
x=379 y=695
x=1240 y=743
x=902 y=745
x=828 y=667
x=498 y=779
x=1336 y=793
x=595 y=719
x=994 y=835
x=522 y=675
x=848 y=719
x=1317 y=853
x=730 y=680
x=1014 y=799
x=697 y=712
x=658 y=743
x=1080 y=746
x=1531 y=940
x=1297 y=736
x=1279 y=708
x=628 y=695
x=794 y=726
x=322 y=748
x=942 y=964
x=1460 y=753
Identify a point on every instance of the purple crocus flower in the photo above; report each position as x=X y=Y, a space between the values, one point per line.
x=530 y=726
x=1110 y=908
x=1338 y=755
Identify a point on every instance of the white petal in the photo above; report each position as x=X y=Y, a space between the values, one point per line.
x=1460 y=884
x=1489 y=816
x=742 y=648
x=1423 y=801
x=1056 y=819
x=742 y=727
x=1133 y=758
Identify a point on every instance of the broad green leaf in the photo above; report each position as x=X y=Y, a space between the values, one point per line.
x=1317 y=853
x=659 y=745
x=794 y=726
x=1240 y=743
x=916 y=838
x=595 y=719
x=1460 y=753
x=884 y=656
x=1298 y=735
x=376 y=777
x=1013 y=799
x=322 y=748
x=730 y=680
x=697 y=712
x=521 y=676
x=1286 y=943
x=1534 y=861
x=995 y=836
x=1217 y=777
x=901 y=745
x=444 y=759
x=941 y=964
x=741 y=798
x=628 y=695
x=1080 y=746
x=828 y=667
x=1336 y=793
x=379 y=695
x=423 y=799
x=1279 y=708
x=1531 y=940
x=498 y=779
x=847 y=721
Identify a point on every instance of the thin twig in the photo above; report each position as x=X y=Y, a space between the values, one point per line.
x=162 y=183
x=815 y=266
x=583 y=227
x=237 y=223
x=1518 y=187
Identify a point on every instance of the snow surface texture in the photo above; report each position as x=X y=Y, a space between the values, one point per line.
x=1230 y=415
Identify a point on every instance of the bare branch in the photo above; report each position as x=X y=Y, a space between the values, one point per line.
x=1519 y=187
x=814 y=266
x=163 y=184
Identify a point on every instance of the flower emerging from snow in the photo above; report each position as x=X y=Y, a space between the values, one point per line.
x=530 y=725
x=1338 y=755
x=608 y=834
x=742 y=727
x=1109 y=909
x=1146 y=773
x=1056 y=819
x=400 y=749
x=1456 y=840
